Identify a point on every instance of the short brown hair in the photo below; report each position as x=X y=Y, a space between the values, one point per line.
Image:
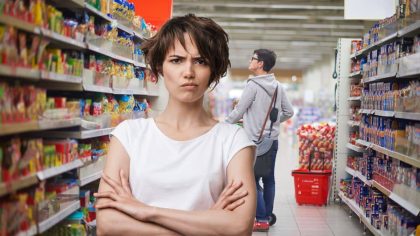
x=211 y=41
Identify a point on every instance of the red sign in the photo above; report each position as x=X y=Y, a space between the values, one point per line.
x=155 y=12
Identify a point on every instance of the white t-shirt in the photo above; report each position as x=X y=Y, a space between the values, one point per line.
x=184 y=175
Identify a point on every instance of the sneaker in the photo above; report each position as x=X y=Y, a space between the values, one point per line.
x=261 y=226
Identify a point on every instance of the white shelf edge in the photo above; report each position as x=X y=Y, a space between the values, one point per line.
x=359 y=175
x=97 y=88
x=48 y=173
x=353 y=123
x=354 y=74
x=359 y=98
x=63 y=39
x=409 y=29
x=407 y=115
x=359 y=212
x=405 y=204
x=109 y=54
x=380 y=77
x=90 y=178
x=97 y=12
x=20 y=72
x=85 y=134
x=59 y=216
x=19 y=24
x=56 y=124
x=52 y=76
x=354 y=148
x=80 y=134
x=18 y=184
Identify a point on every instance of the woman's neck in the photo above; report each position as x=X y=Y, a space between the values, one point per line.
x=181 y=115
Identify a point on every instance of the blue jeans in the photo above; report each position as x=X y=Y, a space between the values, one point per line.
x=266 y=193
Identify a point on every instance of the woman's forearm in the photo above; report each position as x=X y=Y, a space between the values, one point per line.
x=210 y=222
x=113 y=222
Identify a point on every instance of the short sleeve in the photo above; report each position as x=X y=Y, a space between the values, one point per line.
x=238 y=142
x=122 y=133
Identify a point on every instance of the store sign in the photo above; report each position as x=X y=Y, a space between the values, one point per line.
x=369 y=9
x=155 y=12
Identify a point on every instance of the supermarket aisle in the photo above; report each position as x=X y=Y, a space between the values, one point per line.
x=294 y=220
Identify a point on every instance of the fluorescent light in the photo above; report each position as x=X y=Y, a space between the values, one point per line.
x=259 y=5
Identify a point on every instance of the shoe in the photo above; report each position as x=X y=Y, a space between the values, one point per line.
x=261 y=226
x=272 y=219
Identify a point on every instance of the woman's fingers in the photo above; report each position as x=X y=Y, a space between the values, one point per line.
x=234 y=198
x=235 y=205
x=107 y=194
x=125 y=183
x=114 y=184
x=233 y=188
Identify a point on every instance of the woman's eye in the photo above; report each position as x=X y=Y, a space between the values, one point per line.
x=200 y=61
x=175 y=61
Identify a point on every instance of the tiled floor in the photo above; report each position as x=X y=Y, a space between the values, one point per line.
x=294 y=220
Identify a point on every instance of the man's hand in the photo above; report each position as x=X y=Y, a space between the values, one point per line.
x=231 y=197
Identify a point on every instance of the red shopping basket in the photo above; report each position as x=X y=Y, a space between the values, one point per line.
x=311 y=187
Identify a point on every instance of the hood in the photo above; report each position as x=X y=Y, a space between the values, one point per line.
x=267 y=81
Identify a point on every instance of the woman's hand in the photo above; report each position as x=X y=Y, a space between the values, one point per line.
x=122 y=199
x=231 y=197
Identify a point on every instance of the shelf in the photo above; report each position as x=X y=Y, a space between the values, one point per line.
x=98 y=13
x=125 y=28
x=407 y=159
x=359 y=98
x=129 y=91
x=381 y=77
x=80 y=134
x=63 y=39
x=364 y=143
x=91 y=172
x=354 y=147
x=413 y=209
x=409 y=30
x=97 y=88
x=409 y=66
x=375 y=45
x=353 y=55
x=6 y=129
x=19 y=24
x=404 y=158
x=355 y=74
x=396 y=114
x=58 y=124
x=6 y=188
x=359 y=212
x=67 y=209
x=353 y=123
x=109 y=54
x=359 y=175
x=19 y=72
x=30 y=232
x=45 y=174
x=51 y=76
x=69 y=4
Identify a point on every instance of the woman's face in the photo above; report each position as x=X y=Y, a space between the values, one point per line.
x=186 y=73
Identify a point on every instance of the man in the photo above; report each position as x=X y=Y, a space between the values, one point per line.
x=253 y=107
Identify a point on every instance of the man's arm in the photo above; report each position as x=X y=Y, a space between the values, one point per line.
x=114 y=222
x=248 y=96
x=286 y=109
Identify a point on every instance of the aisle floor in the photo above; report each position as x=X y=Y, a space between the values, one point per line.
x=295 y=220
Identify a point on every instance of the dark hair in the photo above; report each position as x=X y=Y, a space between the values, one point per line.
x=266 y=56
x=211 y=41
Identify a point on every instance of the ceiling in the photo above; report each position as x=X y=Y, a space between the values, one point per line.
x=300 y=32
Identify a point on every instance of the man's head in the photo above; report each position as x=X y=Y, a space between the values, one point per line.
x=262 y=61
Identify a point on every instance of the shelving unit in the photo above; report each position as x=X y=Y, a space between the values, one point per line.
x=406 y=69
x=359 y=213
x=66 y=210
x=68 y=128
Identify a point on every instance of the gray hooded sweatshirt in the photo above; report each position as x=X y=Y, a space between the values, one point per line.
x=254 y=104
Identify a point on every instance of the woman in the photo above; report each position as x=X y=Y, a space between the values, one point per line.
x=181 y=173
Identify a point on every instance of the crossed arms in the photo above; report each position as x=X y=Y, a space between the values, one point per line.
x=118 y=212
